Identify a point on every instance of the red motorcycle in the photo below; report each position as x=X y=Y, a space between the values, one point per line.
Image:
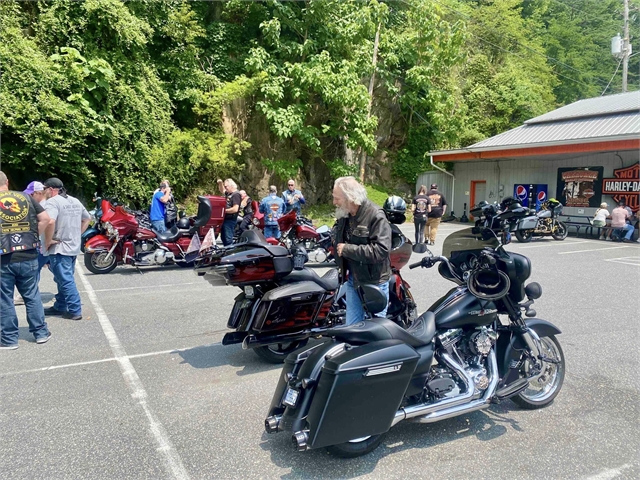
x=130 y=240
x=296 y=229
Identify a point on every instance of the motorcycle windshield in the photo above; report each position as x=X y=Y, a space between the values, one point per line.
x=465 y=240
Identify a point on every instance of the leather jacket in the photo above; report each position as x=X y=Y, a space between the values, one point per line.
x=367 y=249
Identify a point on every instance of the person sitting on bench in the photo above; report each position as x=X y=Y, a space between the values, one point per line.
x=619 y=223
x=600 y=219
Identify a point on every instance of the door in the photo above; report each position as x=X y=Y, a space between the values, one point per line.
x=478 y=192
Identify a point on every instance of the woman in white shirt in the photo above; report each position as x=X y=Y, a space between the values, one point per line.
x=600 y=218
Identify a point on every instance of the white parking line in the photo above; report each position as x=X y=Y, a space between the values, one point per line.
x=593 y=250
x=555 y=244
x=635 y=261
x=146 y=286
x=165 y=447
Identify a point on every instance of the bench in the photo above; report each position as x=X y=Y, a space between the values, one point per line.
x=585 y=223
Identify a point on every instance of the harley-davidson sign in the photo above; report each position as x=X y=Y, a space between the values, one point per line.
x=625 y=185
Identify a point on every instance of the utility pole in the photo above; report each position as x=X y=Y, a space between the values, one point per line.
x=626 y=51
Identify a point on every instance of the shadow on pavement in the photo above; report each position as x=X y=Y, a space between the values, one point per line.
x=217 y=355
x=485 y=426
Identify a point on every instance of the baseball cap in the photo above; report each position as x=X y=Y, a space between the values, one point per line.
x=53 y=182
x=434 y=186
x=34 y=187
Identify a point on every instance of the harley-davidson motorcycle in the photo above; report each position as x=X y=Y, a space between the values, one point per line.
x=129 y=239
x=281 y=307
x=298 y=230
x=544 y=222
x=471 y=348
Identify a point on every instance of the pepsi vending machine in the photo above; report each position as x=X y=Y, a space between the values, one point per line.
x=531 y=195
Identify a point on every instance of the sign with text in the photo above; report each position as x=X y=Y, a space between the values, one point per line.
x=625 y=186
x=580 y=187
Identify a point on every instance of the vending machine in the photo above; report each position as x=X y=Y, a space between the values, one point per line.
x=531 y=195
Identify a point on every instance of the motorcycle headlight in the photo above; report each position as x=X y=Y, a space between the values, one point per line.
x=111 y=231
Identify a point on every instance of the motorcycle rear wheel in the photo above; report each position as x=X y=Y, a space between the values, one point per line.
x=524 y=236
x=560 y=232
x=95 y=262
x=541 y=392
x=277 y=352
x=357 y=447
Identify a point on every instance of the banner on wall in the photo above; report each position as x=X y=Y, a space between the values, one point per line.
x=580 y=187
x=625 y=186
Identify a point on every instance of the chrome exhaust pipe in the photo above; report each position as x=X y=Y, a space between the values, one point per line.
x=271 y=423
x=300 y=440
x=451 y=407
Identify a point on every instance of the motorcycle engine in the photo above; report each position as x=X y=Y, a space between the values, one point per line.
x=545 y=225
x=143 y=246
x=162 y=256
x=482 y=341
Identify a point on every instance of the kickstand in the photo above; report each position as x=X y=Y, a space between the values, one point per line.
x=138 y=269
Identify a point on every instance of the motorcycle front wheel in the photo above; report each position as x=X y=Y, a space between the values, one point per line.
x=277 y=352
x=541 y=391
x=524 y=236
x=97 y=262
x=561 y=231
x=357 y=447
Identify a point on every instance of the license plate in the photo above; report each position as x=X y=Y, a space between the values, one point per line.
x=291 y=397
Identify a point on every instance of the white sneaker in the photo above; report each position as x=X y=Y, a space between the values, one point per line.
x=601 y=237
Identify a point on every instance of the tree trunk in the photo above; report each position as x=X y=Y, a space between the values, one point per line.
x=363 y=153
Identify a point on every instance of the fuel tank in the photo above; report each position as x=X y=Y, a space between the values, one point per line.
x=459 y=308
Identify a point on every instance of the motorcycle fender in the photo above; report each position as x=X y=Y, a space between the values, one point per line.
x=512 y=351
x=97 y=243
x=360 y=391
x=528 y=223
x=295 y=418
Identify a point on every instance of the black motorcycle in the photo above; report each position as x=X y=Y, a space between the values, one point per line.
x=473 y=347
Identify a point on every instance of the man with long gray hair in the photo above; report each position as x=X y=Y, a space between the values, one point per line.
x=363 y=244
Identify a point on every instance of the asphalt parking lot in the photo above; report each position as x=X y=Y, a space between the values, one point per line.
x=142 y=387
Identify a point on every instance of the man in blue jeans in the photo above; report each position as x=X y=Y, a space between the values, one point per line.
x=21 y=221
x=62 y=245
x=161 y=197
x=230 y=190
x=273 y=207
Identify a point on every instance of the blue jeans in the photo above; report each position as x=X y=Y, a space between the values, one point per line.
x=228 y=227
x=627 y=230
x=67 y=299
x=355 y=311
x=42 y=261
x=271 y=231
x=24 y=277
x=159 y=226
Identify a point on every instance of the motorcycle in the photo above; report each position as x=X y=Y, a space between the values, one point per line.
x=129 y=239
x=296 y=229
x=457 y=357
x=281 y=307
x=94 y=228
x=545 y=222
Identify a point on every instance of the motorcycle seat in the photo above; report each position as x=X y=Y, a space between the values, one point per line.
x=419 y=334
x=329 y=281
x=171 y=235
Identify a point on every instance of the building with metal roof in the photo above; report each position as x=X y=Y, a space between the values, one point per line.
x=597 y=134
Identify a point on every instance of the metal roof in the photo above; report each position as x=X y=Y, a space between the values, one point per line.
x=607 y=118
x=590 y=107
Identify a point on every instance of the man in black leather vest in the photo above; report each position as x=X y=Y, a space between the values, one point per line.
x=21 y=221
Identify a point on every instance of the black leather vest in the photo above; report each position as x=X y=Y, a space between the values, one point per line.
x=18 y=223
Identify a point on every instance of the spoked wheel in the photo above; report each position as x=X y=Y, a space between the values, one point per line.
x=98 y=263
x=524 y=236
x=277 y=352
x=541 y=391
x=357 y=447
x=560 y=232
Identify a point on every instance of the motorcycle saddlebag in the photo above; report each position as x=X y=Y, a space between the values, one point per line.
x=528 y=223
x=360 y=391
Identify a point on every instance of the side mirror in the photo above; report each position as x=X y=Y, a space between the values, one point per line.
x=533 y=291
x=419 y=248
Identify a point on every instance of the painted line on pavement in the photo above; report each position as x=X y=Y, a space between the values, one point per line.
x=635 y=261
x=146 y=286
x=593 y=250
x=558 y=244
x=610 y=473
x=165 y=447
x=103 y=360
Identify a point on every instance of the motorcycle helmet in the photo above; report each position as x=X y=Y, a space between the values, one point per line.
x=488 y=284
x=184 y=223
x=395 y=207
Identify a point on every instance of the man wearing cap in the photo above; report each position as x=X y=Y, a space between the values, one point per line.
x=62 y=246
x=21 y=220
x=438 y=209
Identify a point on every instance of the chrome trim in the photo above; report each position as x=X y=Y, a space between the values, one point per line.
x=300 y=440
x=382 y=370
x=450 y=407
x=272 y=423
